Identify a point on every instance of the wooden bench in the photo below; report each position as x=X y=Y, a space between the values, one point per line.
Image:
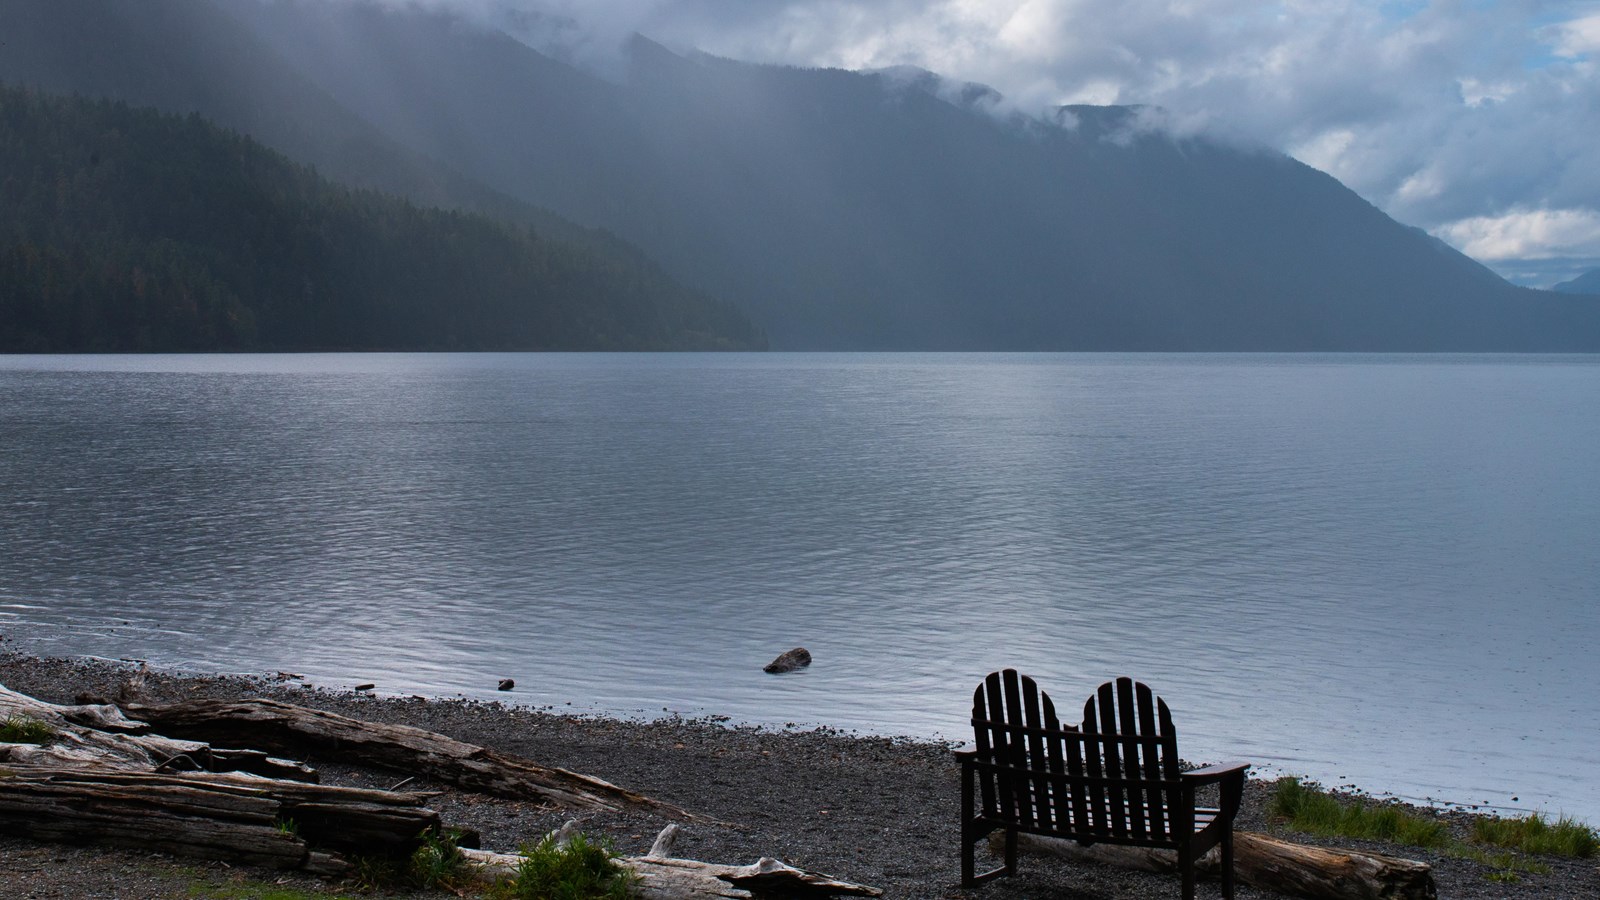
x=1114 y=779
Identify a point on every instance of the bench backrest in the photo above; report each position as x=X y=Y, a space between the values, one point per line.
x=1115 y=777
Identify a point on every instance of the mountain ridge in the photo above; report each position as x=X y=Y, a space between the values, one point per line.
x=1587 y=283
x=846 y=212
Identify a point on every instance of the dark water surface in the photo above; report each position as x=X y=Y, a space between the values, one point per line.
x=1371 y=569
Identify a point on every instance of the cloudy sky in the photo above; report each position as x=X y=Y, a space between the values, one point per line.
x=1478 y=120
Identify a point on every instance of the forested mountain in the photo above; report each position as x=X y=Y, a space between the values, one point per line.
x=127 y=229
x=845 y=210
x=1587 y=283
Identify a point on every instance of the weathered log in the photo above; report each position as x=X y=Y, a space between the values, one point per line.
x=662 y=877
x=339 y=818
x=286 y=728
x=236 y=817
x=124 y=786
x=673 y=879
x=1266 y=862
x=99 y=736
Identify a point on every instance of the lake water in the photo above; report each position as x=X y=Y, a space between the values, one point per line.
x=1380 y=570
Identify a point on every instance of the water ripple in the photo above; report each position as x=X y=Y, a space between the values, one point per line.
x=1369 y=569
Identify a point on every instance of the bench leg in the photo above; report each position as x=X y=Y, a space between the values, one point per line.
x=1186 y=870
x=970 y=836
x=969 y=862
x=1227 y=863
x=973 y=831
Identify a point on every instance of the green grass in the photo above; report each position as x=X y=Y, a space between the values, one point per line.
x=435 y=865
x=438 y=863
x=286 y=825
x=1309 y=809
x=25 y=730
x=378 y=873
x=1318 y=812
x=1508 y=866
x=579 y=870
x=1535 y=834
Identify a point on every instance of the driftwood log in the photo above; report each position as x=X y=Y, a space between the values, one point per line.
x=289 y=729
x=245 y=818
x=1266 y=862
x=99 y=736
x=105 y=777
x=665 y=877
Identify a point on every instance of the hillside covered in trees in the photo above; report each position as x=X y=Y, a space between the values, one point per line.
x=124 y=229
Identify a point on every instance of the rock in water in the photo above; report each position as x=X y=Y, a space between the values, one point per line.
x=507 y=684
x=790 y=661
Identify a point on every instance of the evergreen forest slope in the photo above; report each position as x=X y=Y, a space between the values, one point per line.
x=124 y=229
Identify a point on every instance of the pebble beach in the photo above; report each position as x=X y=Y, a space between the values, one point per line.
x=878 y=811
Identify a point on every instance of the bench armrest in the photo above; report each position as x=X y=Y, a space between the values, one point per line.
x=964 y=755
x=1216 y=773
x=1229 y=778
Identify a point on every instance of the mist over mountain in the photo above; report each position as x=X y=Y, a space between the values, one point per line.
x=126 y=229
x=1587 y=283
x=844 y=210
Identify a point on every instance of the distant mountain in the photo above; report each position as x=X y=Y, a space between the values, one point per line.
x=195 y=56
x=125 y=229
x=1587 y=283
x=847 y=210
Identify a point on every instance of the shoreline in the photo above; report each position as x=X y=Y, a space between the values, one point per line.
x=333 y=685
x=875 y=810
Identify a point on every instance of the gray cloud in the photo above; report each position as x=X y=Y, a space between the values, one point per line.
x=1465 y=117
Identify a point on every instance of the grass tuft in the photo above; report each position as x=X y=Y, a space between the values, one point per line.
x=377 y=873
x=1508 y=867
x=1318 y=812
x=438 y=863
x=1307 y=808
x=25 y=730
x=581 y=869
x=1535 y=834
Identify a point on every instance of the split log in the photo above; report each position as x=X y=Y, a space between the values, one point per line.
x=99 y=736
x=236 y=817
x=1266 y=862
x=664 y=877
x=286 y=728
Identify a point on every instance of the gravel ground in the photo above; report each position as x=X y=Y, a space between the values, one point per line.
x=872 y=810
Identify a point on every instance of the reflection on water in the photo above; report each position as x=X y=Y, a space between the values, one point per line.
x=1371 y=569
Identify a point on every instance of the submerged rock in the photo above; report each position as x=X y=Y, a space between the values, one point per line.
x=790 y=661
